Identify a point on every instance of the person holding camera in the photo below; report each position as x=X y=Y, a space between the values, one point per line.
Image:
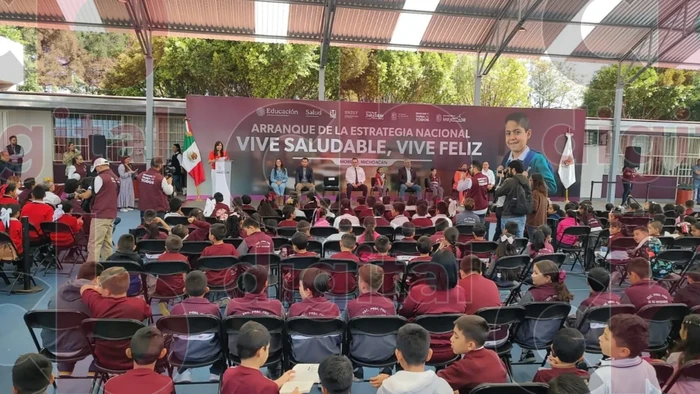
x=154 y=189
x=126 y=191
x=518 y=197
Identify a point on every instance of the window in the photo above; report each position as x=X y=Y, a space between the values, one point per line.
x=124 y=134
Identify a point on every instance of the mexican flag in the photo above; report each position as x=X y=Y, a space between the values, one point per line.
x=567 y=168
x=191 y=159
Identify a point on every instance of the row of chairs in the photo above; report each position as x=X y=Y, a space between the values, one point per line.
x=505 y=321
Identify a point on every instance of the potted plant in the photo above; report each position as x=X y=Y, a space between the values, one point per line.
x=684 y=192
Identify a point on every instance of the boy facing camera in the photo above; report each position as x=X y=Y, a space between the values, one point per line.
x=412 y=352
x=253 y=347
x=567 y=347
x=478 y=364
x=623 y=341
x=146 y=348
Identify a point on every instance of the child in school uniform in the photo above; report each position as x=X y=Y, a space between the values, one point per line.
x=313 y=284
x=382 y=246
x=170 y=285
x=320 y=218
x=37 y=211
x=217 y=233
x=32 y=373
x=567 y=350
x=126 y=251
x=568 y=221
x=477 y=365
x=108 y=300
x=440 y=226
x=690 y=294
x=288 y=213
x=291 y=276
x=370 y=303
x=413 y=350
x=345 y=282
x=146 y=347
x=204 y=345
x=253 y=347
x=10 y=224
x=599 y=284
x=201 y=226
x=421 y=218
x=440 y=295
x=415 y=273
x=624 y=371
x=539 y=245
x=685 y=353
x=480 y=292
x=255 y=240
x=175 y=208
x=547 y=285
x=62 y=215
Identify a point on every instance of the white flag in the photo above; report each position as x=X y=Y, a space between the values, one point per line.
x=567 y=168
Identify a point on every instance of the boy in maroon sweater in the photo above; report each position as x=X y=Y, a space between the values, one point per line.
x=108 y=300
x=147 y=346
x=481 y=292
x=253 y=347
x=255 y=241
x=288 y=213
x=370 y=303
x=599 y=284
x=217 y=233
x=567 y=347
x=345 y=282
x=379 y=211
x=255 y=301
x=313 y=284
x=203 y=346
x=170 y=285
x=478 y=364
x=690 y=294
x=424 y=247
x=643 y=291
x=440 y=226
x=201 y=226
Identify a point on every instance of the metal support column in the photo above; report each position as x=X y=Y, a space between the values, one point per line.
x=322 y=84
x=615 y=141
x=150 y=132
x=477 y=89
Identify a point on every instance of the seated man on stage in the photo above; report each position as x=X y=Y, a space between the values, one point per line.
x=355 y=177
x=305 y=177
x=407 y=180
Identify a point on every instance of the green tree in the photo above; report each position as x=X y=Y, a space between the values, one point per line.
x=658 y=93
x=505 y=86
x=554 y=84
x=26 y=37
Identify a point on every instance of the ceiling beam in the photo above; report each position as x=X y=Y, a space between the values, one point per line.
x=327 y=30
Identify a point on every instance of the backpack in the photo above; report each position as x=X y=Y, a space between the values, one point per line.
x=522 y=204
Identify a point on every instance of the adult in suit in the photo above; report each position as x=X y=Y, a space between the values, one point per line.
x=355 y=177
x=305 y=177
x=407 y=180
x=16 y=155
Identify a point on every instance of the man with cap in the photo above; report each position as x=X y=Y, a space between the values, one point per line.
x=103 y=207
x=154 y=189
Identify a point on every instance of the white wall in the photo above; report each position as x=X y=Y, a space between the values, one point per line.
x=593 y=170
x=34 y=131
x=11 y=64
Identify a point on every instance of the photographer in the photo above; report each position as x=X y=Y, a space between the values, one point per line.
x=154 y=189
x=518 y=202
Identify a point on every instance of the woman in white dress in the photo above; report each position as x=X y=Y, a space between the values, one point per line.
x=126 y=190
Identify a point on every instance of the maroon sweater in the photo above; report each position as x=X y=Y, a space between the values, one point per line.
x=689 y=295
x=217 y=278
x=370 y=304
x=476 y=367
x=646 y=292
x=151 y=194
x=200 y=232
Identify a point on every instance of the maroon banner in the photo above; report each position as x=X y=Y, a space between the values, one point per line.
x=256 y=132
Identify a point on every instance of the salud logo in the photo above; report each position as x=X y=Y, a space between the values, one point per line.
x=332 y=113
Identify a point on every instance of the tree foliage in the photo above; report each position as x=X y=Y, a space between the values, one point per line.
x=554 y=84
x=664 y=94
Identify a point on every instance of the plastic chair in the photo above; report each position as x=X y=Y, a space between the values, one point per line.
x=57 y=320
x=582 y=232
x=691 y=243
x=682 y=260
x=542 y=311
x=5 y=240
x=176 y=220
x=601 y=315
x=236 y=242
x=662 y=313
x=358 y=230
x=520 y=244
x=466 y=232
x=511 y=388
x=323 y=232
x=194 y=248
x=664 y=371
x=439 y=325
x=421 y=231
x=330 y=248
x=386 y=231
x=313 y=328
x=500 y=320
x=51 y=229
x=186 y=325
x=481 y=249
x=216 y=264
x=286 y=232
x=151 y=246
x=517 y=263
x=403 y=248
x=557 y=258
x=111 y=330
x=337 y=266
x=232 y=326
x=375 y=327
x=315 y=246
x=690 y=371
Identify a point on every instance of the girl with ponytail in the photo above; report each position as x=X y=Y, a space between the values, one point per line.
x=320 y=218
x=369 y=235
x=449 y=242
x=547 y=286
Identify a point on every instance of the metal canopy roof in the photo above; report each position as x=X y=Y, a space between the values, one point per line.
x=659 y=32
